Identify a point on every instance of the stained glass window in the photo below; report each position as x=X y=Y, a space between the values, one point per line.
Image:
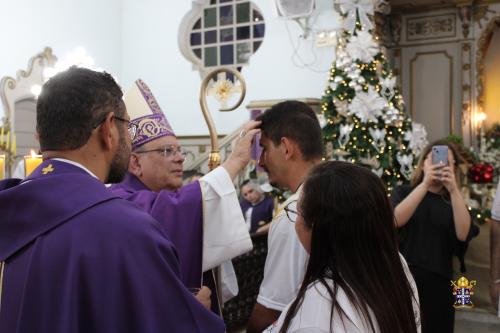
x=226 y=33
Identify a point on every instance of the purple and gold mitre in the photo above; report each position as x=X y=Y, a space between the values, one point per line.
x=146 y=114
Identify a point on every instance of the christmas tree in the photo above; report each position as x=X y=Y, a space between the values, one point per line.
x=365 y=122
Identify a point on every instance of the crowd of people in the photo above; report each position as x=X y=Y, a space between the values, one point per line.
x=149 y=254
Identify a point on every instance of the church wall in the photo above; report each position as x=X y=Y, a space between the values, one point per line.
x=429 y=55
x=150 y=51
x=28 y=26
x=139 y=39
x=441 y=56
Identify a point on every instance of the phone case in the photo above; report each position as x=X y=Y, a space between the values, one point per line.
x=440 y=154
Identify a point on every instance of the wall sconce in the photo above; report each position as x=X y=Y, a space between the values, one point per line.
x=479 y=118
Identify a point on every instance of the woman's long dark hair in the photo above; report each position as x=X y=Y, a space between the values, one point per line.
x=353 y=243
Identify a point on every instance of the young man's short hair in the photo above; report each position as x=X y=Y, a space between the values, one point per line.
x=297 y=121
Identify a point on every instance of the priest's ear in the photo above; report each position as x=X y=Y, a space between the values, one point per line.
x=108 y=132
x=134 y=165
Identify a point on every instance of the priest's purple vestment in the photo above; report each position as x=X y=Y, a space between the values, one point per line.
x=76 y=258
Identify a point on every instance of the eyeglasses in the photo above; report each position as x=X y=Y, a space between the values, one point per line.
x=167 y=152
x=291 y=211
x=132 y=128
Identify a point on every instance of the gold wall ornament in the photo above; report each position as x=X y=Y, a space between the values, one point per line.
x=222 y=91
x=465 y=14
x=482 y=48
x=14 y=90
x=431 y=27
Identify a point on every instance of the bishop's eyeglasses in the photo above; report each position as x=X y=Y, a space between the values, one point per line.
x=167 y=152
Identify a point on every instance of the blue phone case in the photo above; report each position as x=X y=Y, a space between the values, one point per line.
x=440 y=154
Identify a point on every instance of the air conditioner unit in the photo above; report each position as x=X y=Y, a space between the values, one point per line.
x=294 y=9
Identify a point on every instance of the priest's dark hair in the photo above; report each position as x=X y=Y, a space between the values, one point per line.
x=71 y=105
x=354 y=247
x=297 y=121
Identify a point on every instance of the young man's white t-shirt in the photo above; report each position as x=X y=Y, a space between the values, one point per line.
x=285 y=263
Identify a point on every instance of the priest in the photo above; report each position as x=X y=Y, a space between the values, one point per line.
x=203 y=219
x=75 y=257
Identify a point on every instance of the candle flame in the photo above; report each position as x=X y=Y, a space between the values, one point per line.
x=33 y=153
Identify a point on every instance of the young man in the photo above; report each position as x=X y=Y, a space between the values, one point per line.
x=203 y=219
x=74 y=257
x=292 y=144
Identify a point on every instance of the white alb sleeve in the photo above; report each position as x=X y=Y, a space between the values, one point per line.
x=225 y=234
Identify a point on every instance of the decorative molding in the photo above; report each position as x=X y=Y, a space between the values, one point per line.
x=450 y=60
x=482 y=48
x=42 y=59
x=382 y=29
x=18 y=89
x=482 y=13
x=412 y=7
x=397 y=65
x=382 y=6
x=442 y=42
x=465 y=14
x=431 y=27
x=396 y=24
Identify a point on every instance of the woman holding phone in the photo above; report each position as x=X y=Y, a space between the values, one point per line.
x=434 y=225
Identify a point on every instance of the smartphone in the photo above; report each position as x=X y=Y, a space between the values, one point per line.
x=440 y=154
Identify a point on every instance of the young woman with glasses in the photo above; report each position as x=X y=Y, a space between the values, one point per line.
x=355 y=281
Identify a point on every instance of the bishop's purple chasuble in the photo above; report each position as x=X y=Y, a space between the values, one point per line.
x=79 y=259
x=180 y=215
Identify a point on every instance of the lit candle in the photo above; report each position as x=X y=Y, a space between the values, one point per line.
x=14 y=149
x=31 y=162
x=2 y=167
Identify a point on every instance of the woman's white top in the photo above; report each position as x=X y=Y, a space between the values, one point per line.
x=313 y=316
